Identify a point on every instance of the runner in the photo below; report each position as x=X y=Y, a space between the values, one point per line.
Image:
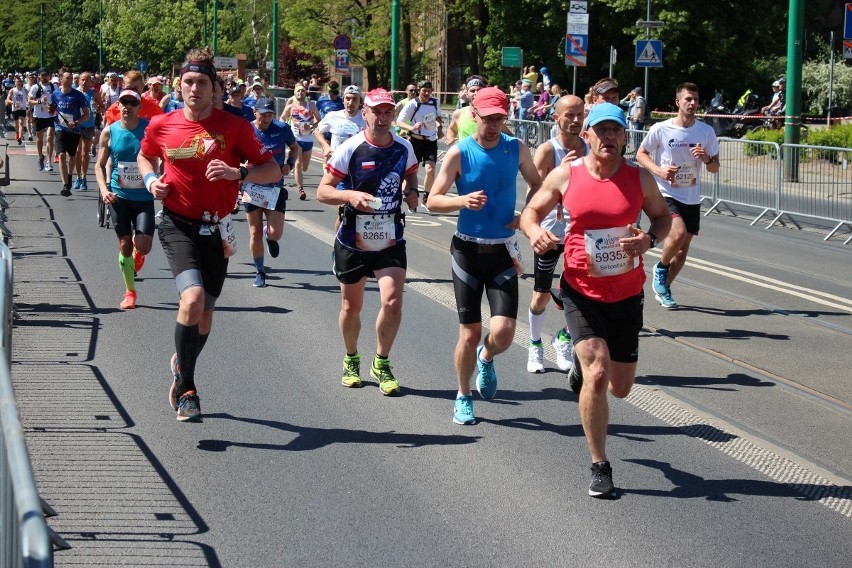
x=133 y=80
x=601 y=286
x=484 y=168
x=680 y=146
x=87 y=132
x=565 y=147
x=371 y=166
x=340 y=125
x=40 y=100
x=421 y=118
x=268 y=199
x=462 y=123
x=303 y=117
x=31 y=82
x=200 y=148
x=72 y=110
x=122 y=190
x=17 y=101
x=155 y=91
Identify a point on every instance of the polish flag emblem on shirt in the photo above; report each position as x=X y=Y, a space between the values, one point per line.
x=368 y=165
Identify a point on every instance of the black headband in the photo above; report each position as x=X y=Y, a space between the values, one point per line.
x=199 y=67
x=476 y=83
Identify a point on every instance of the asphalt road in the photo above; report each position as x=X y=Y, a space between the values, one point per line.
x=732 y=450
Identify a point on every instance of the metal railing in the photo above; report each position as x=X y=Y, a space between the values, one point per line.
x=24 y=536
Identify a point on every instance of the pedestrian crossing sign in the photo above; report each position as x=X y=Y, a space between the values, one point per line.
x=649 y=53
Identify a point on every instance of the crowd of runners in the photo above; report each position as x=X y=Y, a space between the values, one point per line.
x=212 y=145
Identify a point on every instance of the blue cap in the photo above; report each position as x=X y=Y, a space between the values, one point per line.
x=605 y=111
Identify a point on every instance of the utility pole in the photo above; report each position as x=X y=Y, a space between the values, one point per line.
x=394 y=71
x=275 y=42
x=215 y=26
x=795 y=54
x=101 y=38
x=41 y=37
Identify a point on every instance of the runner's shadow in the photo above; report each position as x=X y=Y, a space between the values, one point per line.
x=732 y=382
x=738 y=334
x=308 y=438
x=690 y=486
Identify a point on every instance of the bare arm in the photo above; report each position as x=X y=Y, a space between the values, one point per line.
x=328 y=193
x=453 y=128
x=101 y=167
x=150 y=165
x=439 y=201
x=540 y=204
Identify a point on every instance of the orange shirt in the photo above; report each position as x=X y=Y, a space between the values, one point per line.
x=149 y=109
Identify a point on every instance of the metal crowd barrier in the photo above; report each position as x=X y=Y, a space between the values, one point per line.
x=24 y=536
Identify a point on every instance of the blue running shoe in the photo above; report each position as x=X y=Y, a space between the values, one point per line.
x=666 y=299
x=83 y=185
x=77 y=183
x=189 y=407
x=661 y=276
x=259 y=280
x=486 y=381
x=464 y=410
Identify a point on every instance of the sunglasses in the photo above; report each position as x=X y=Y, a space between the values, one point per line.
x=129 y=102
x=492 y=120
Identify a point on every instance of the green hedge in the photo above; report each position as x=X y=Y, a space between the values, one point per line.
x=839 y=136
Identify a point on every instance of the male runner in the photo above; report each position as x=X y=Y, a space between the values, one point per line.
x=601 y=286
x=72 y=110
x=131 y=206
x=340 y=125
x=18 y=103
x=484 y=168
x=565 y=147
x=43 y=120
x=268 y=199
x=200 y=148
x=133 y=80
x=462 y=123
x=681 y=146
x=421 y=118
x=87 y=131
x=365 y=176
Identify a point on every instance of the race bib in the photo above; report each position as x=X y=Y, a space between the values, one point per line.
x=686 y=175
x=263 y=196
x=604 y=253
x=429 y=121
x=515 y=252
x=129 y=176
x=229 y=237
x=374 y=232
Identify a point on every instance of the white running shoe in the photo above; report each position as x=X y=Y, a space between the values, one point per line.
x=564 y=350
x=535 y=361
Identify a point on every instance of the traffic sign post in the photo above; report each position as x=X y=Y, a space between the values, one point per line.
x=847 y=22
x=577 y=37
x=513 y=57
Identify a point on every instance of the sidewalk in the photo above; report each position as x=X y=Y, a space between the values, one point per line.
x=116 y=504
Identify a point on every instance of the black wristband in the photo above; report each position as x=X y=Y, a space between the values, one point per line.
x=243 y=172
x=653 y=238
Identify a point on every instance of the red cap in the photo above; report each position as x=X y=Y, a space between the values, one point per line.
x=491 y=100
x=378 y=97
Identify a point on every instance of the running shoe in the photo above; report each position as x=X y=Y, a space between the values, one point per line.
x=20 y=141
x=666 y=300
x=575 y=375
x=129 y=301
x=424 y=198
x=189 y=407
x=535 y=359
x=47 y=166
x=173 y=366
x=352 y=371
x=463 y=413
x=486 y=380
x=381 y=371
x=259 y=280
x=564 y=350
x=77 y=183
x=302 y=194
x=41 y=164
x=66 y=189
x=83 y=185
x=29 y=137
x=138 y=260
x=661 y=276
x=601 y=485
x=56 y=159
x=271 y=245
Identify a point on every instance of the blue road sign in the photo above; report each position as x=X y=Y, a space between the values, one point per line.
x=847 y=22
x=142 y=66
x=649 y=53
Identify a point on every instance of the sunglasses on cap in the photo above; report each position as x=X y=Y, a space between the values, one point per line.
x=129 y=102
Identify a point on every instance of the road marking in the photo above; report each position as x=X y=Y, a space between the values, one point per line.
x=791 y=470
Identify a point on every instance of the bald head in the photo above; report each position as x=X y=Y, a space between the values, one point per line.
x=565 y=102
x=568 y=114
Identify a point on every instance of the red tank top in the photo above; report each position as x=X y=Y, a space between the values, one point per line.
x=599 y=209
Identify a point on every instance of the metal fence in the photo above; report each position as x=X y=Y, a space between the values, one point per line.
x=24 y=536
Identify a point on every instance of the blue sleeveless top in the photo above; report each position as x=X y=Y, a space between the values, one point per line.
x=496 y=171
x=124 y=148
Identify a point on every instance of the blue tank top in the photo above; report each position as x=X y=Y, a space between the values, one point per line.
x=494 y=170
x=91 y=122
x=124 y=144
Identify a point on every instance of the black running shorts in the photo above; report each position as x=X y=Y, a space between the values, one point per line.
x=617 y=323
x=483 y=268
x=350 y=266
x=691 y=214
x=187 y=250
x=129 y=213
x=67 y=142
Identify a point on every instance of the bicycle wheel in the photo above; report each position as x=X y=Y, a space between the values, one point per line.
x=101 y=210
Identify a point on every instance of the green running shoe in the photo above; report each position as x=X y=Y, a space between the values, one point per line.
x=381 y=371
x=352 y=371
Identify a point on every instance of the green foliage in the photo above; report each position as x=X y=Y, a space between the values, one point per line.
x=815 y=81
x=763 y=135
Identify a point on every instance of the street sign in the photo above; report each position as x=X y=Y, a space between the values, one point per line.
x=847 y=49
x=576 y=50
x=343 y=42
x=847 y=22
x=225 y=62
x=579 y=7
x=650 y=23
x=142 y=66
x=649 y=53
x=513 y=57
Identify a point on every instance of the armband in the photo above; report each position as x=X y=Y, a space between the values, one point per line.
x=149 y=180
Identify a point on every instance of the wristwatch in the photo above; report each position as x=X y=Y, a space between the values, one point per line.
x=243 y=172
x=653 y=238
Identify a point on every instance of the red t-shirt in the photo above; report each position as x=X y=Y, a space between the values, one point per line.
x=148 y=110
x=187 y=148
x=600 y=211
